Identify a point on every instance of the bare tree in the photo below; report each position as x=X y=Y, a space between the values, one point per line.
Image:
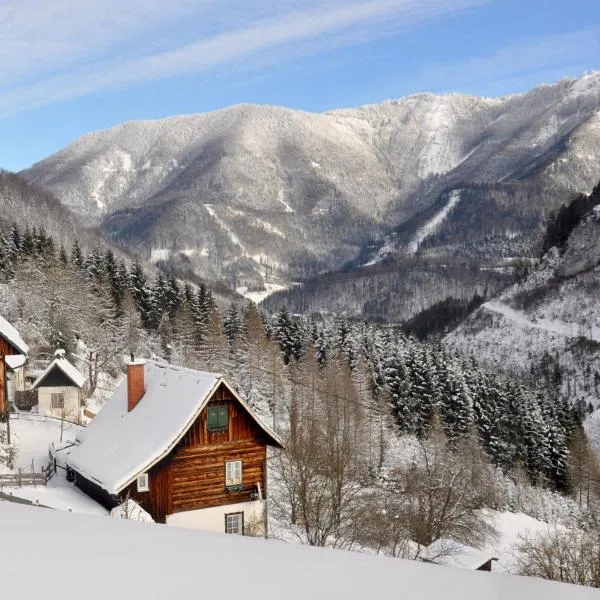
x=568 y=556
x=445 y=488
x=317 y=479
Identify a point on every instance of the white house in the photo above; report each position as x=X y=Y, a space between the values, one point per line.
x=60 y=389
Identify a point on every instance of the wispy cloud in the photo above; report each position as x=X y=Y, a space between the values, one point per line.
x=57 y=50
x=514 y=66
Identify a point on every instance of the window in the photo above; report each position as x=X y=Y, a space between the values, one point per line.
x=233 y=473
x=57 y=401
x=143 y=485
x=217 y=418
x=234 y=523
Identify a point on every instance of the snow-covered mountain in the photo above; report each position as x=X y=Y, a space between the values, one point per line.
x=548 y=326
x=258 y=193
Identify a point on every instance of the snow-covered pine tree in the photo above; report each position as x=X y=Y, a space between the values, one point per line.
x=232 y=323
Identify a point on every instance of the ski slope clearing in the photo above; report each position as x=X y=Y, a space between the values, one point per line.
x=549 y=325
x=431 y=226
x=136 y=560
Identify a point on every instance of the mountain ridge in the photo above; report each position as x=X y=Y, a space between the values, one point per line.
x=258 y=194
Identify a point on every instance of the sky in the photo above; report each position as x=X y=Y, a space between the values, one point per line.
x=68 y=67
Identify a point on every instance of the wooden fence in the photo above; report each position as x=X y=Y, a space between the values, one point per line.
x=24 y=478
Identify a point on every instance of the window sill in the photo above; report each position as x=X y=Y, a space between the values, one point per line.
x=234 y=488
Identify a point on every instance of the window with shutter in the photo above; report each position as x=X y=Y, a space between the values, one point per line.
x=217 y=418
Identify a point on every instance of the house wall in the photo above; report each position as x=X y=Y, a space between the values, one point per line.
x=6 y=349
x=72 y=402
x=213 y=519
x=192 y=477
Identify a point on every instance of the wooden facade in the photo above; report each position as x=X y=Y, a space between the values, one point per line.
x=6 y=349
x=192 y=475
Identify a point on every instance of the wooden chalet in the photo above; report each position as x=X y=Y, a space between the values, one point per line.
x=13 y=352
x=183 y=445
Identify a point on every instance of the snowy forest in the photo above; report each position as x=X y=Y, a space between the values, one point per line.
x=372 y=416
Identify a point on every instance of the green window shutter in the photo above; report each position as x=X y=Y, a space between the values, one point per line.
x=223 y=417
x=217 y=418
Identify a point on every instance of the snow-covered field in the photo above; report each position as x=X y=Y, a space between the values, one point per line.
x=78 y=556
x=510 y=528
x=31 y=435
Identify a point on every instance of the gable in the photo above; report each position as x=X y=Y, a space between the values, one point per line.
x=55 y=378
x=60 y=372
x=241 y=425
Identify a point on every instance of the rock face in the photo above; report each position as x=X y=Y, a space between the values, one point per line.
x=583 y=249
x=258 y=193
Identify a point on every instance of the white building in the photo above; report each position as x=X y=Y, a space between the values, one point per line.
x=60 y=389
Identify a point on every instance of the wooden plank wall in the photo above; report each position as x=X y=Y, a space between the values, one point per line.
x=193 y=475
x=6 y=349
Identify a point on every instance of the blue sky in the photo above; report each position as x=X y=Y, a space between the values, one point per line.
x=68 y=67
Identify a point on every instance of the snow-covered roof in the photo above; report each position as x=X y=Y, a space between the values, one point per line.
x=15 y=361
x=144 y=560
x=12 y=336
x=66 y=367
x=452 y=554
x=119 y=444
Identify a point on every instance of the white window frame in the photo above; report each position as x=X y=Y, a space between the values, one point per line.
x=238 y=519
x=57 y=400
x=233 y=473
x=143 y=483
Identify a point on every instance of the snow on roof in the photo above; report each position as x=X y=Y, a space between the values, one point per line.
x=452 y=554
x=12 y=336
x=118 y=445
x=66 y=367
x=143 y=560
x=15 y=361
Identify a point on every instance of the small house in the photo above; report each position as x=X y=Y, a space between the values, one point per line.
x=452 y=554
x=59 y=389
x=183 y=445
x=13 y=354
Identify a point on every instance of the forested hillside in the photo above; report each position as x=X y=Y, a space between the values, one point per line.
x=548 y=322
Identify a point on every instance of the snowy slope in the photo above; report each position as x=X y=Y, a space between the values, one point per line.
x=113 y=558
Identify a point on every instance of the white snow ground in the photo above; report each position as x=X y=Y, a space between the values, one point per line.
x=32 y=434
x=75 y=556
x=510 y=527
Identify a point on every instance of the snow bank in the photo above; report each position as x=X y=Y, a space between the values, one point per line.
x=136 y=560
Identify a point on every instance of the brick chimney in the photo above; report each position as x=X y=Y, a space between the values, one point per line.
x=135 y=382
